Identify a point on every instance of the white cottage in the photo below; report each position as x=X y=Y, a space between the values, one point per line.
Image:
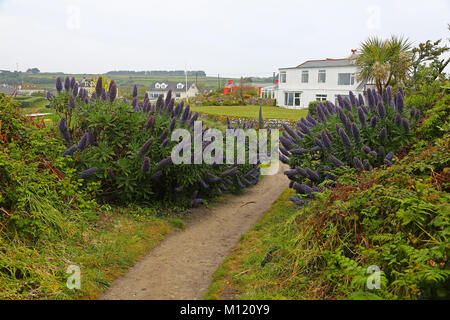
x=320 y=80
x=180 y=90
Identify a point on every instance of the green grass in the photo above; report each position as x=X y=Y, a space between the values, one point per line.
x=269 y=112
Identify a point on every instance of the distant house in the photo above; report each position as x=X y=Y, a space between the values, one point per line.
x=7 y=89
x=179 y=89
x=231 y=87
x=88 y=84
x=317 y=80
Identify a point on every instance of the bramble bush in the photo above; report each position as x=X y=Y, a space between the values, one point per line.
x=127 y=147
x=351 y=134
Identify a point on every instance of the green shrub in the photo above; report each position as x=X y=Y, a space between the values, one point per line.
x=312 y=106
x=436 y=119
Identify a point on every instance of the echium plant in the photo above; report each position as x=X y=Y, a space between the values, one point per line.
x=351 y=134
x=127 y=147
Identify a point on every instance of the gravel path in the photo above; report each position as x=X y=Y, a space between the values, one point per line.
x=181 y=267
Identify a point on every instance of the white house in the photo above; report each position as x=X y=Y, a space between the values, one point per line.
x=317 y=80
x=180 y=90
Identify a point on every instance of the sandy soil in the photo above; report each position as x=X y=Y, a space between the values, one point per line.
x=181 y=267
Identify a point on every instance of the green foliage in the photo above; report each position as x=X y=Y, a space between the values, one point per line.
x=436 y=119
x=312 y=108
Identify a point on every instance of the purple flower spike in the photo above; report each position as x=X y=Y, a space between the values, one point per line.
x=99 y=87
x=367 y=165
x=67 y=84
x=70 y=150
x=49 y=95
x=59 y=84
x=146 y=165
x=156 y=175
x=112 y=91
x=362 y=117
x=355 y=132
x=75 y=90
x=383 y=134
x=135 y=91
x=197 y=201
x=373 y=122
x=405 y=124
x=146 y=146
x=164 y=163
x=344 y=138
x=71 y=102
x=381 y=110
x=88 y=172
x=72 y=83
x=336 y=162
x=358 y=164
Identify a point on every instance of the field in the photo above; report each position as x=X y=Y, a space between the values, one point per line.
x=252 y=112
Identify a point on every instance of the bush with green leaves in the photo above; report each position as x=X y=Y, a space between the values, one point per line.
x=312 y=107
x=436 y=119
x=352 y=134
x=127 y=146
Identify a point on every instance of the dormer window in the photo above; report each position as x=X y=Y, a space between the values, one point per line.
x=157 y=86
x=180 y=85
x=163 y=85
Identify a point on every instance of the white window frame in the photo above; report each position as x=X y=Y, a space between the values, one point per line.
x=305 y=73
x=180 y=85
x=283 y=76
x=324 y=72
x=157 y=86
x=292 y=98
x=321 y=97
x=351 y=79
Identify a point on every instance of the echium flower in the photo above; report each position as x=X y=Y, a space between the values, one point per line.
x=83 y=142
x=283 y=158
x=59 y=84
x=342 y=117
x=70 y=150
x=75 y=89
x=72 y=82
x=373 y=121
x=312 y=174
x=361 y=99
x=196 y=201
x=146 y=165
x=352 y=98
x=373 y=154
x=49 y=95
x=381 y=109
x=389 y=95
x=405 y=124
x=290 y=132
x=340 y=101
x=146 y=146
x=88 y=172
x=311 y=119
x=361 y=117
x=103 y=94
x=336 y=162
x=384 y=94
x=99 y=87
x=355 y=132
x=321 y=113
x=325 y=139
x=367 y=165
x=62 y=126
x=156 y=175
x=347 y=104
x=71 y=102
x=357 y=163
x=344 y=138
x=112 y=91
x=135 y=91
x=284 y=151
x=400 y=103
x=164 y=163
x=366 y=149
x=398 y=120
x=67 y=84
x=383 y=134
x=370 y=98
x=179 y=189
x=304 y=128
x=389 y=156
x=417 y=115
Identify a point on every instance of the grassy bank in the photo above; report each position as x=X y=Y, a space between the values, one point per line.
x=397 y=218
x=252 y=112
x=49 y=218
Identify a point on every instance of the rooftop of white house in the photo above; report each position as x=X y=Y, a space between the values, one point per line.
x=325 y=63
x=169 y=85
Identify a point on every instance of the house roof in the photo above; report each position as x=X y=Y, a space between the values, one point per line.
x=323 y=63
x=171 y=85
x=4 y=88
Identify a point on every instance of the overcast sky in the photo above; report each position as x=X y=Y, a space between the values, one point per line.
x=233 y=38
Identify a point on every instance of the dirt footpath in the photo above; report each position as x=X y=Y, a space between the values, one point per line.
x=181 y=267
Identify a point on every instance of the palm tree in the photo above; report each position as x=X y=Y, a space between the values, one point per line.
x=384 y=61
